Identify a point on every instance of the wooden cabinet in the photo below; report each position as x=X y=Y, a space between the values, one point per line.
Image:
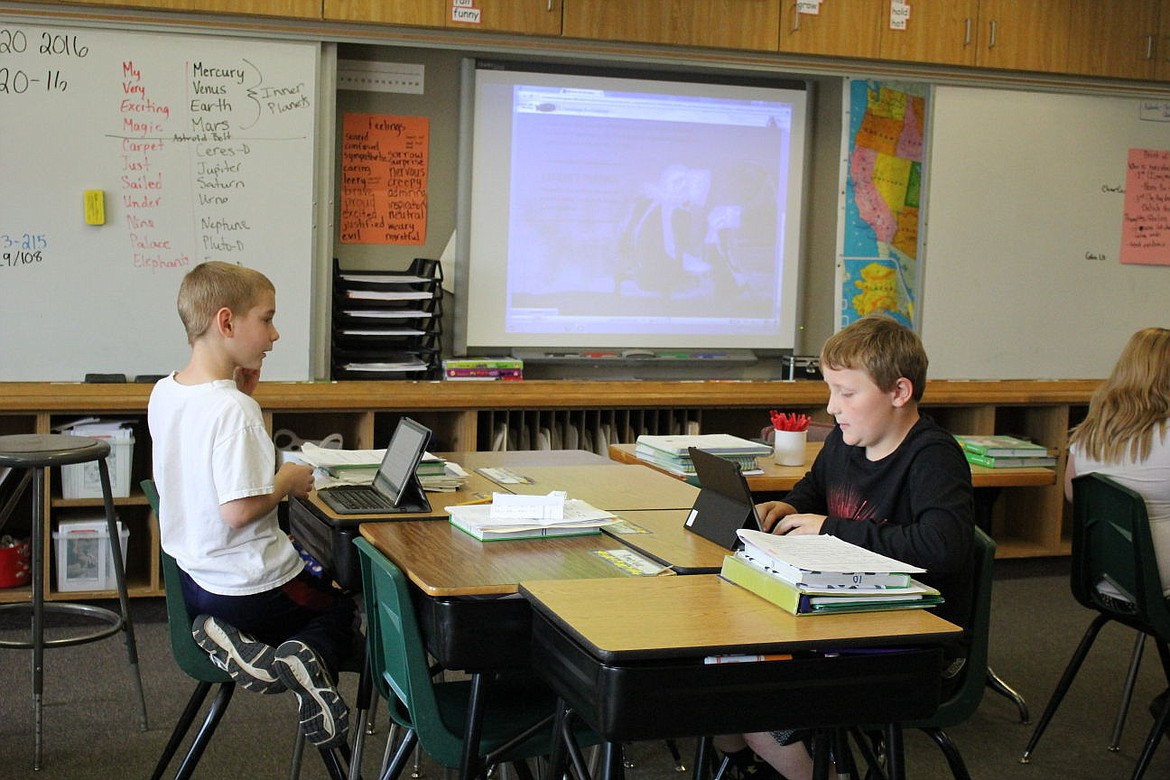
x=292 y=9
x=983 y=33
x=422 y=13
x=531 y=17
x=937 y=32
x=1023 y=36
x=1114 y=38
x=843 y=28
x=1162 y=44
x=535 y=17
x=724 y=24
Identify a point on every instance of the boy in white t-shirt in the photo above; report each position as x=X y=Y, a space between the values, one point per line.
x=262 y=616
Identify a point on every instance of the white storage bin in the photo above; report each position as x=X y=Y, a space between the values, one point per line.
x=83 y=554
x=82 y=480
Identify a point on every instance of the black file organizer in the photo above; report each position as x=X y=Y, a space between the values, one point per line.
x=402 y=329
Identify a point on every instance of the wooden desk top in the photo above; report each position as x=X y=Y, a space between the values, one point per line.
x=443 y=561
x=613 y=487
x=703 y=615
x=780 y=478
x=660 y=534
x=523 y=458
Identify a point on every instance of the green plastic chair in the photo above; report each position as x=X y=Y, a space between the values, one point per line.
x=196 y=664
x=1111 y=541
x=518 y=717
x=966 y=698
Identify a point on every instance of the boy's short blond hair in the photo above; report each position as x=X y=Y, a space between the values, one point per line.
x=881 y=347
x=211 y=286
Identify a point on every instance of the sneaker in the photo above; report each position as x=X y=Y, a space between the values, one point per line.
x=248 y=661
x=323 y=714
x=746 y=765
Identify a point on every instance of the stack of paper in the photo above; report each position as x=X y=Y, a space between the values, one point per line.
x=358 y=467
x=817 y=574
x=671 y=453
x=511 y=516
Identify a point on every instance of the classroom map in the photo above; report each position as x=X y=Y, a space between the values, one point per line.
x=880 y=242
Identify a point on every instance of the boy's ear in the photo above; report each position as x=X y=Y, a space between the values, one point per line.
x=223 y=322
x=903 y=391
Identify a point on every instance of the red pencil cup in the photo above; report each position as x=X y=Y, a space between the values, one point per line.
x=14 y=565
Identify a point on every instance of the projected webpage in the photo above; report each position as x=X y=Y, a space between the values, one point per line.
x=623 y=217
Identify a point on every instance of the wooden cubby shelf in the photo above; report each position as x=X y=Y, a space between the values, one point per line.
x=466 y=416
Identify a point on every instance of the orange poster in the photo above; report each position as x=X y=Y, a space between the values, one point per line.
x=1145 y=226
x=384 y=162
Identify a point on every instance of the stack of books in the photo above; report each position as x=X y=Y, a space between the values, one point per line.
x=820 y=575
x=509 y=516
x=671 y=453
x=1004 y=452
x=483 y=368
x=438 y=475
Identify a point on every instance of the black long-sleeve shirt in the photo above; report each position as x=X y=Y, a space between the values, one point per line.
x=915 y=505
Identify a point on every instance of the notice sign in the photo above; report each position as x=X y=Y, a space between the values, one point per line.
x=1145 y=227
x=384 y=164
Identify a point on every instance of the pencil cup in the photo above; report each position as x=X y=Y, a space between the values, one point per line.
x=789 y=447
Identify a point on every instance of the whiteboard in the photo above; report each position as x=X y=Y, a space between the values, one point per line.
x=203 y=149
x=1025 y=200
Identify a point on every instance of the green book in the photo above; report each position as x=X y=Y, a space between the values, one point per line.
x=1002 y=446
x=1002 y=462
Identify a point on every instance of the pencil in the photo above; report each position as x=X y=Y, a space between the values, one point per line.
x=475 y=501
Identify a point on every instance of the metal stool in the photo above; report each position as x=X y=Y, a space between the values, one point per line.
x=33 y=453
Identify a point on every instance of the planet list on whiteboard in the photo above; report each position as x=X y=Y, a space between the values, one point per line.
x=224 y=97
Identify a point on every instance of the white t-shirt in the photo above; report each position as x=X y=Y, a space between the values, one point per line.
x=1150 y=479
x=210 y=447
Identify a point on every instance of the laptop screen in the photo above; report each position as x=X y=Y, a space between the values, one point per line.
x=402 y=455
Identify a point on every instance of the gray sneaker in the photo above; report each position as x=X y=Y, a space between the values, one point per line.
x=248 y=661
x=323 y=713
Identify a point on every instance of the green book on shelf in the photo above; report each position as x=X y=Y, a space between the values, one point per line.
x=1002 y=462
x=1002 y=446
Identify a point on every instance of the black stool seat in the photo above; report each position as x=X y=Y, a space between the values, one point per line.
x=33 y=450
x=33 y=453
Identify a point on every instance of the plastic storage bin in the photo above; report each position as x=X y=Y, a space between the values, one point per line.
x=14 y=563
x=83 y=554
x=82 y=480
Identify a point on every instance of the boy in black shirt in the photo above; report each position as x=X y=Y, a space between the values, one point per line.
x=888 y=479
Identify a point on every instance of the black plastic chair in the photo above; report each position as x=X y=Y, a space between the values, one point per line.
x=1112 y=543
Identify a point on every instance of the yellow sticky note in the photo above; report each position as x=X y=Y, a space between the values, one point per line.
x=95 y=207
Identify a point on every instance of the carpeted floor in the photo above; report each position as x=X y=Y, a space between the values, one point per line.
x=91 y=727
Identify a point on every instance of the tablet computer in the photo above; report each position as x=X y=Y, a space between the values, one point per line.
x=724 y=504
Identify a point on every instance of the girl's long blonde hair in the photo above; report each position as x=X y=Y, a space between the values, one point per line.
x=1132 y=404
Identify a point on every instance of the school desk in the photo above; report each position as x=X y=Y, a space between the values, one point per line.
x=614 y=487
x=660 y=534
x=627 y=656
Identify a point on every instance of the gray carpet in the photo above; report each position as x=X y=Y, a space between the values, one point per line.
x=91 y=729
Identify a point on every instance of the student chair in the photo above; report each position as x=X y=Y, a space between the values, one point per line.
x=196 y=663
x=517 y=721
x=1111 y=542
x=966 y=697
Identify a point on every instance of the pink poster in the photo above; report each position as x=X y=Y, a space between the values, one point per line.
x=1145 y=227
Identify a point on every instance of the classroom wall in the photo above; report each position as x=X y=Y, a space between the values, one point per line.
x=439 y=104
